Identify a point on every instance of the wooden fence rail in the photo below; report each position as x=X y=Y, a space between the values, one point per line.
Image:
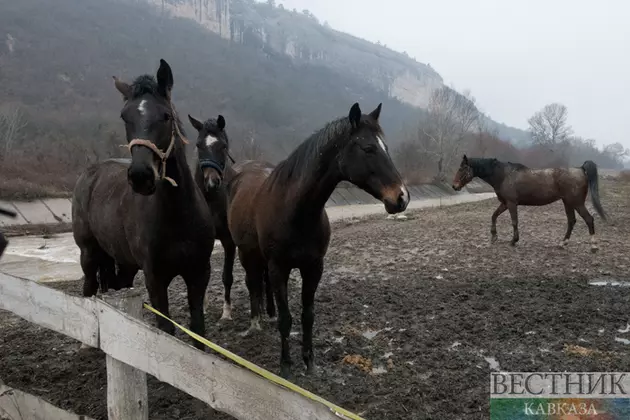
x=126 y=340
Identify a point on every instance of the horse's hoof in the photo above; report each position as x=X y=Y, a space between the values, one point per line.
x=254 y=328
x=513 y=243
x=273 y=319
x=594 y=248
x=227 y=312
x=494 y=239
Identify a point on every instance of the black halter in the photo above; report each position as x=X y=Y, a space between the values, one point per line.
x=210 y=163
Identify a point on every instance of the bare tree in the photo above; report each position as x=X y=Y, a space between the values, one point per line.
x=250 y=149
x=617 y=152
x=12 y=122
x=549 y=126
x=451 y=116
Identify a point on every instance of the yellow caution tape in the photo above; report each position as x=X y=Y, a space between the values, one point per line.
x=340 y=412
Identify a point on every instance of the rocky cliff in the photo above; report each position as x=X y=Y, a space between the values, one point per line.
x=298 y=36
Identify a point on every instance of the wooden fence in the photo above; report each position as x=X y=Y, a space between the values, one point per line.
x=134 y=349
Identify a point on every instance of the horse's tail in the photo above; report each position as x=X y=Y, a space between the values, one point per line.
x=590 y=169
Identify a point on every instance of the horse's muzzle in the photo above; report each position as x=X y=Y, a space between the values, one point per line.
x=396 y=199
x=212 y=179
x=142 y=180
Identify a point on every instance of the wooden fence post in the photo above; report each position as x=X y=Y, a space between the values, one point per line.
x=126 y=386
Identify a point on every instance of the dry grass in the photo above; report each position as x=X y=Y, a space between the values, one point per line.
x=625 y=175
x=22 y=180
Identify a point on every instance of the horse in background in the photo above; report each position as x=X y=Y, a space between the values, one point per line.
x=278 y=220
x=3 y=240
x=148 y=214
x=516 y=184
x=213 y=172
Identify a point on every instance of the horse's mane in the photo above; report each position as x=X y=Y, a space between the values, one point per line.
x=488 y=166
x=301 y=160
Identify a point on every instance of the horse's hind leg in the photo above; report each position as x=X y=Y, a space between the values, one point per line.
x=590 y=222
x=228 y=277
x=196 y=285
x=512 y=207
x=570 y=211
x=126 y=274
x=271 y=304
x=493 y=227
x=279 y=277
x=254 y=272
x=91 y=258
x=107 y=272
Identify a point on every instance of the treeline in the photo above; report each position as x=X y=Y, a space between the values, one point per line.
x=453 y=126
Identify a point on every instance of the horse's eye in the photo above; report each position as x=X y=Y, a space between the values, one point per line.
x=370 y=148
x=167 y=116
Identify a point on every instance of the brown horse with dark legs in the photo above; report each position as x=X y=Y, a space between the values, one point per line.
x=277 y=216
x=148 y=214
x=213 y=173
x=516 y=184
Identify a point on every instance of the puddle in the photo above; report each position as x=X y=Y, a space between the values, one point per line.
x=369 y=334
x=608 y=281
x=622 y=340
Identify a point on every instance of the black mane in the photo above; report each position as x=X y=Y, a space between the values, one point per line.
x=486 y=167
x=321 y=146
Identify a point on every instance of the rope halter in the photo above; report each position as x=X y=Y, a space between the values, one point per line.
x=162 y=155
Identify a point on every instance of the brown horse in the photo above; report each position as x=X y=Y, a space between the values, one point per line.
x=213 y=173
x=148 y=214
x=516 y=184
x=277 y=216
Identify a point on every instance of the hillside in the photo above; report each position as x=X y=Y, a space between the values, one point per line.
x=57 y=60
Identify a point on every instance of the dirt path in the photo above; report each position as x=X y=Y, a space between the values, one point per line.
x=428 y=301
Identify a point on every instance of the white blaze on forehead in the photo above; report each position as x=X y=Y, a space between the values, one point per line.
x=381 y=143
x=141 y=107
x=210 y=140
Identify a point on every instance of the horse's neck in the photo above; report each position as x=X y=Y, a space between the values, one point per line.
x=178 y=199
x=493 y=176
x=313 y=189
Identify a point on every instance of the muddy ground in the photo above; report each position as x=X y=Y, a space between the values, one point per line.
x=447 y=306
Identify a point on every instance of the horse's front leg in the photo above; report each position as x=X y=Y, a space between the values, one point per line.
x=196 y=284
x=493 y=227
x=279 y=278
x=229 y=253
x=512 y=207
x=157 y=287
x=311 y=275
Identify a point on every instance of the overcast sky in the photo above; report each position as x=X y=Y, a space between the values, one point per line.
x=514 y=55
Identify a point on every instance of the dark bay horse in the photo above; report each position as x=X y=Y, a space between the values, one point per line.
x=148 y=214
x=516 y=184
x=277 y=216
x=213 y=172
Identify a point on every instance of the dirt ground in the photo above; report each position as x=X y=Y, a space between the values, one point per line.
x=429 y=305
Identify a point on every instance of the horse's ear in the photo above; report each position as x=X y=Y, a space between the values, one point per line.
x=195 y=123
x=355 y=115
x=122 y=87
x=221 y=122
x=377 y=112
x=165 y=79
x=465 y=160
